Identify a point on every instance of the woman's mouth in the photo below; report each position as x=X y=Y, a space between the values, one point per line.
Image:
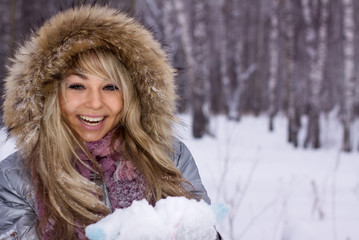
x=91 y=121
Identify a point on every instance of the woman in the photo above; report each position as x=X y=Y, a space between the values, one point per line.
x=90 y=99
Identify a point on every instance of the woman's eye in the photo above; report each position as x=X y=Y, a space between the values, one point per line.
x=76 y=86
x=111 y=87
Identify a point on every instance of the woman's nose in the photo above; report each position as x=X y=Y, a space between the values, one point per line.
x=94 y=99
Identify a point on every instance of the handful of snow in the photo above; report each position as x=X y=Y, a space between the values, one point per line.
x=172 y=218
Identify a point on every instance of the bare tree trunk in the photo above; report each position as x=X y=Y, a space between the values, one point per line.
x=200 y=88
x=186 y=40
x=318 y=77
x=240 y=77
x=232 y=44
x=223 y=54
x=216 y=32
x=196 y=59
x=273 y=62
x=317 y=56
x=169 y=27
x=349 y=77
x=311 y=35
x=293 y=114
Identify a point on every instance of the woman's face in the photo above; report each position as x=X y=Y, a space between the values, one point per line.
x=91 y=106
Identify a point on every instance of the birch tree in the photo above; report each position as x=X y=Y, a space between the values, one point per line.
x=200 y=87
x=196 y=47
x=349 y=78
x=222 y=31
x=273 y=61
x=312 y=136
x=168 y=26
x=231 y=57
x=186 y=40
x=318 y=77
x=160 y=16
x=172 y=39
x=153 y=15
x=290 y=78
x=316 y=48
x=216 y=33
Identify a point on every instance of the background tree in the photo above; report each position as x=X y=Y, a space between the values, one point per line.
x=238 y=57
x=231 y=56
x=200 y=86
x=273 y=61
x=291 y=63
x=349 y=78
x=316 y=41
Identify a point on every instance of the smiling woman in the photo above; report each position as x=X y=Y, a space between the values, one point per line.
x=90 y=102
x=90 y=99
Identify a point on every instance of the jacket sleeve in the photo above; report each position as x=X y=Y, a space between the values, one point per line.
x=185 y=163
x=18 y=219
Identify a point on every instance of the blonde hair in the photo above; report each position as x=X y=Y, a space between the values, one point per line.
x=71 y=200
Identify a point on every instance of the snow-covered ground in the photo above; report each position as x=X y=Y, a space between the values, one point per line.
x=275 y=192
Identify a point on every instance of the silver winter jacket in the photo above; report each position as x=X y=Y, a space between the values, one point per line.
x=18 y=206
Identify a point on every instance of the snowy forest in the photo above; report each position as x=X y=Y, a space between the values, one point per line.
x=270 y=97
x=239 y=57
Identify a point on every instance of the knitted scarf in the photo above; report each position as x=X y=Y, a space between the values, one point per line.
x=123 y=181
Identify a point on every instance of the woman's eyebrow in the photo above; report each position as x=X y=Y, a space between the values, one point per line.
x=78 y=74
x=83 y=76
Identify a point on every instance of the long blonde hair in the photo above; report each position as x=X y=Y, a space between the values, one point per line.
x=71 y=200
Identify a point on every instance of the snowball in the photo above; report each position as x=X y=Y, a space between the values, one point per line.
x=139 y=221
x=172 y=218
x=187 y=219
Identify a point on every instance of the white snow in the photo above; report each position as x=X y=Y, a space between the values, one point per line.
x=175 y=218
x=275 y=191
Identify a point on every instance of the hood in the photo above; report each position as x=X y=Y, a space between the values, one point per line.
x=38 y=65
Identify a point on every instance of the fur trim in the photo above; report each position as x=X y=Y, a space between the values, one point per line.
x=38 y=65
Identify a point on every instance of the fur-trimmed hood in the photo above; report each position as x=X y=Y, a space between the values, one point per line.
x=39 y=64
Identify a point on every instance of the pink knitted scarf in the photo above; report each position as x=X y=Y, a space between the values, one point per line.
x=123 y=181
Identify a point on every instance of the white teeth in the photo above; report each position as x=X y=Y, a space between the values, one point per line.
x=91 y=120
